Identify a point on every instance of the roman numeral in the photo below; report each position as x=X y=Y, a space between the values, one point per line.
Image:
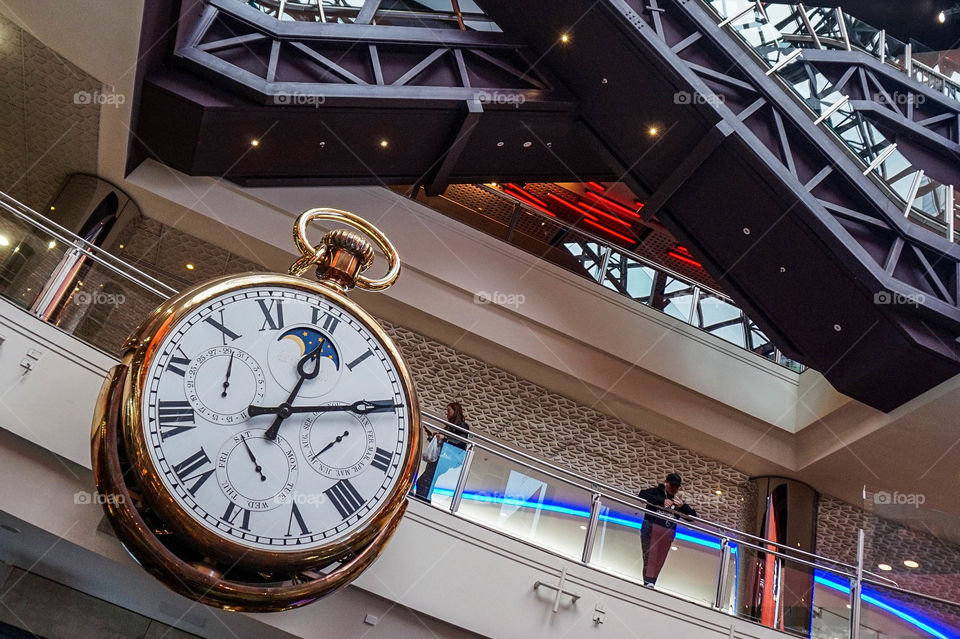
x=171 y=415
x=357 y=361
x=344 y=497
x=381 y=460
x=193 y=464
x=182 y=360
x=295 y=515
x=231 y=516
x=330 y=322
x=271 y=319
x=226 y=332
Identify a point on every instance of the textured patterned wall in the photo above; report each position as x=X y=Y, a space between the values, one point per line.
x=49 y=129
x=891 y=543
x=555 y=428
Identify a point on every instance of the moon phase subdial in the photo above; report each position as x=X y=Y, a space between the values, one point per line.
x=221 y=382
x=338 y=445
x=257 y=473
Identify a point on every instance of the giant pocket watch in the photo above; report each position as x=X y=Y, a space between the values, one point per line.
x=256 y=443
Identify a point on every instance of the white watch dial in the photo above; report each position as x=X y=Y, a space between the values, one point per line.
x=301 y=362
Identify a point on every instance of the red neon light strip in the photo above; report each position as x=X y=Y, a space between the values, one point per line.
x=683 y=258
x=525 y=199
x=617 y=206
x=514 y=187
x=606 y=215
x=610 y=231
x=596 y=186
x=572 y=207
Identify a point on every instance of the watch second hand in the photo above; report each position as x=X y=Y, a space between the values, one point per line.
x=226 y=380
x=258 y=469
x=330 y=445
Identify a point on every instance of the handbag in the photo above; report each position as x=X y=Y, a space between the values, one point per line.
x=432 y=452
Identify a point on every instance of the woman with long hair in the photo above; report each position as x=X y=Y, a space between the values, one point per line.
x=460 y=429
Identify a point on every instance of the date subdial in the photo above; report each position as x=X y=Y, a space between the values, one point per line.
x=222 y=382
x=338 y=445
x=257 y=473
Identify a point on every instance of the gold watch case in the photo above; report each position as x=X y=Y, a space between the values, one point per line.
x=167 y=540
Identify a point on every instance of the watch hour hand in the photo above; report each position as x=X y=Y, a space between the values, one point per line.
x=283 y=411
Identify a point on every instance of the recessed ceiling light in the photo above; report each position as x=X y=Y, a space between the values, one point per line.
x=910 y=563
x=941 y=17
x=653 y=130
x=527 y=144
x=885 y=567
x=500 y=143
x=121 y=246
x=4 y=241
x=384 y=144
x=254 y=142
x=52 y=244
x=190 y=267
x=674 y=548
x=53 y=208
x=583 y=527
x=718 y=491
x=565 y=38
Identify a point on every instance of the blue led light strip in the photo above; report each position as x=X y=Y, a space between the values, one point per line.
x=701 y=539
x=874 y=598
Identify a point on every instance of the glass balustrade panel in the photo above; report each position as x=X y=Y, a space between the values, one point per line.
x=526 y=504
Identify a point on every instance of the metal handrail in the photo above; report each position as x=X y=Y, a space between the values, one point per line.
x=77 y=243
x=626 y=498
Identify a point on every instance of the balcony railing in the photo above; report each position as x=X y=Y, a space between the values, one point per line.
x=512 y=492
x=777 y=34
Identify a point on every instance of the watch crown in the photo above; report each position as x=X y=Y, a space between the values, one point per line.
x=345 y=255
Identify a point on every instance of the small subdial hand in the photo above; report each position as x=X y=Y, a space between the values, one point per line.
x=226 y=380
x=253 y=458
x=361 y=407
x=284 y=410
x=338 y=439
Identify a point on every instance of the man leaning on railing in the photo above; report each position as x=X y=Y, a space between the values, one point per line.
x=657 y=532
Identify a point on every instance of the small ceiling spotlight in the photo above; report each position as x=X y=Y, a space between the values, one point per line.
x=52 y=244
x=885 y=567
x=254 y=142
x=910 y=563
x=190 y=267
x=653 y=130
x=527 y=144
x=384 y=144
x=565 y=38
x=946 y=13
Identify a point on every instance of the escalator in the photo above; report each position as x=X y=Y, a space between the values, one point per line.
x=850 y=274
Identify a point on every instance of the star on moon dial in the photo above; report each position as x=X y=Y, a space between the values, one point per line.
x=291 y=354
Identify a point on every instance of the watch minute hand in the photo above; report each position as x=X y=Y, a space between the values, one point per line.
x=361 y=407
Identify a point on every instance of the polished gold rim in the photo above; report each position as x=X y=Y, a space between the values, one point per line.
x=145 y=345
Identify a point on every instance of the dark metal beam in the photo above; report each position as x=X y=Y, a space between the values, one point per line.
x=438 y=182
x=685 y=170
x=367 y=12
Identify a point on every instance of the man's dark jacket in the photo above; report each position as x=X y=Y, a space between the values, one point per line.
x=655 y=497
